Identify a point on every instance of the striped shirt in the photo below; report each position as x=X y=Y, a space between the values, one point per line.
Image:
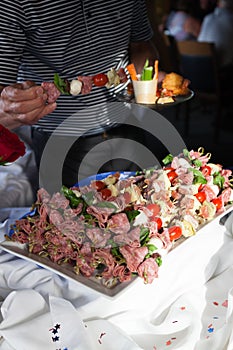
x=72 y=38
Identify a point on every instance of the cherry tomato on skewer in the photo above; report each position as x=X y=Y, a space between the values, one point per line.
x=206 y=170
x=158 y=222
x=172 y=175
x=201 y=196
x=175 y=232
x=105 y=193
x=100 y=79
x=218 y=203
x=98 y=185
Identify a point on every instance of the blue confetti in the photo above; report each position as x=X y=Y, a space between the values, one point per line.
x=210 y=330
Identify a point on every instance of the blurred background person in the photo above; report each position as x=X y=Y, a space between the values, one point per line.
x=182 y=22
x=206 y=7
x=217 y=27
x=73 y=38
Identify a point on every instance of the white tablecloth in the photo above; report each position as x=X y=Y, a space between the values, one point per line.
x=189 y=307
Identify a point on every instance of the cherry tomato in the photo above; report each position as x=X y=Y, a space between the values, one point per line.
x=98 y=185
x=105 y=193
x=158 y=222
x=154 y=208
x=175 y=232
x=172 y=175
x=100 y=79
x=201 y=196
x=217 y=202
x=206 y=170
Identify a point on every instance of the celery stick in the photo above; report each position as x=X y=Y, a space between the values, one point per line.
x=147 y=73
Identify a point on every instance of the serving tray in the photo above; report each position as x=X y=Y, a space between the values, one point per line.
x=158 y=105
x=94 y=283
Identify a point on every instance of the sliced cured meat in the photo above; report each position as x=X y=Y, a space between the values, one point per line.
x=122 y=273
x=119 y=223
x=122 y=75
x=148 y=270
x=133 y=256
x=105 y=257
x=87 y=84
x=226 y=195
x=51 y=90
x=97 y=236
x=210 y=193
x=131 y=238
x=102 y=214
x=55 y=217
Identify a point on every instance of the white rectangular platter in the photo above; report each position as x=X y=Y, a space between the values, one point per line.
x=66 y=270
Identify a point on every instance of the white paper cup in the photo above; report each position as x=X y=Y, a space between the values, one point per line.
x=145 y=91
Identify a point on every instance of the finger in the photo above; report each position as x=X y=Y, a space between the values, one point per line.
x=18 y=92
x=27 y=84
x=26 y=106
x=32 y=117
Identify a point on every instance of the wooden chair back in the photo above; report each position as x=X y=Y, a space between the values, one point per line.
x=198 y=62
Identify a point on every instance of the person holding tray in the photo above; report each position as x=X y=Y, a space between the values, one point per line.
x=71 y=39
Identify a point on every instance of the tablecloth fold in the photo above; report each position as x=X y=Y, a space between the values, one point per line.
x=189 y=307
x=30 y=323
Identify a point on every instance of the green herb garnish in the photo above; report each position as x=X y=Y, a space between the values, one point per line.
x=60 y=84
x=199 y=178
x=131 y=214
x=106 y=204
x=159 y=260
x=71 y=196
x=144 y=235
x=218 y=180
x=168 y=159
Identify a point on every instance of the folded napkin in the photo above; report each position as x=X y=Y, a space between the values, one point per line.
x=30 y=323
x=15 y=188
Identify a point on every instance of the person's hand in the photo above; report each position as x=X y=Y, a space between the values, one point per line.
x=23 y=104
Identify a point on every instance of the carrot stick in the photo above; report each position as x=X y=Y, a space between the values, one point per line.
x=156 y=68
x=132 y=71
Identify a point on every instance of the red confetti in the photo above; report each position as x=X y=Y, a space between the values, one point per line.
x=215 y=303
x=168 y=342
x=183 y=308
x=225 y=303
x=174 y=338
x=210 y=325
